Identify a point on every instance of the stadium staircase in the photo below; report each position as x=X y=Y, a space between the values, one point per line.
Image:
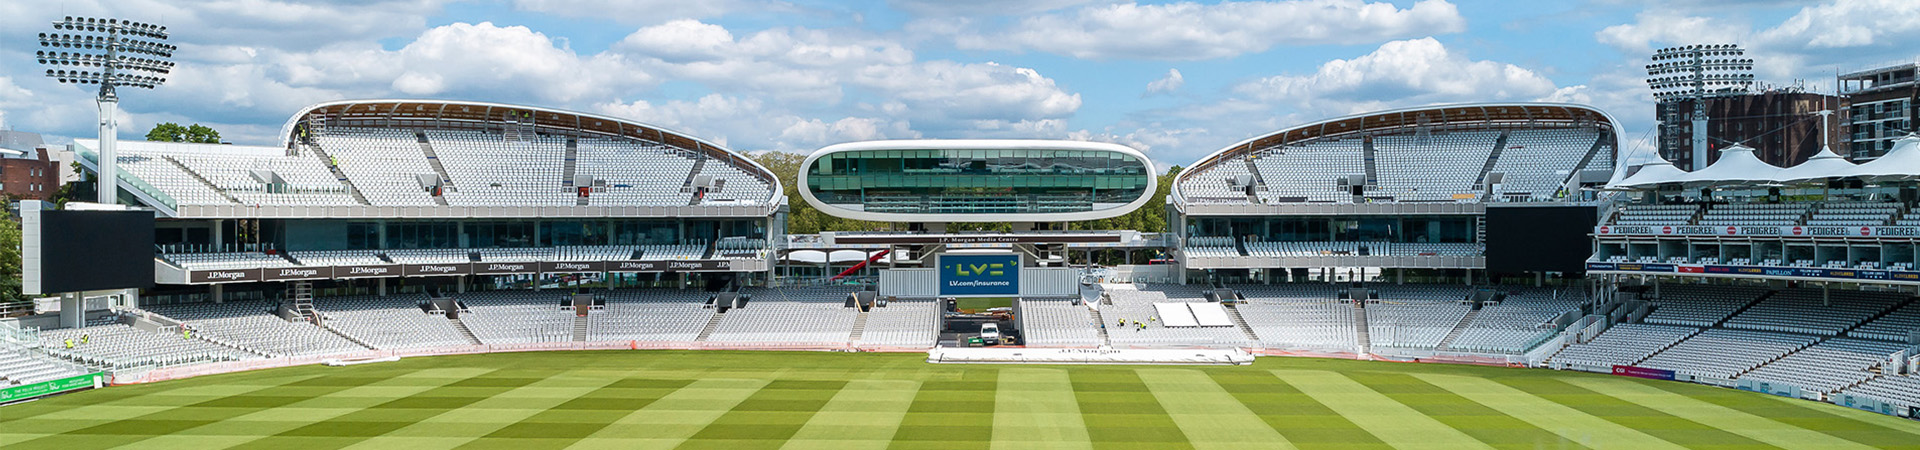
x=1100 y=324
x=1696 y=332
x=569 y=167
x=1360 y=327
x=579 y=328
x=1743 y=309
x=1876 y=316
x=216 y=340
x=1373 y=175
x=859 y=327
x=1233 y=312
x=1498 y=146
x=1588 y=159
x=465 y=332
x=712 y=324
x=327 y=160
x=433 y=160
x=699 y=163
x=1458 y=328
x=1259 y=182
x=203 y=180
x=348 y=336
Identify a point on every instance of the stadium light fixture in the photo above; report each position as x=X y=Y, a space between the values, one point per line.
x=1697 y=72
x=109 y=53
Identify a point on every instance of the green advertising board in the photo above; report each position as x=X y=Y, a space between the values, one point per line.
x=27 y=391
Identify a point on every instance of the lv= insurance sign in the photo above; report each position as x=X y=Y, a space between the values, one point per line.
x=980 y=275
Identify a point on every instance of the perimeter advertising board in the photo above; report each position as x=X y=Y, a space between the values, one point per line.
x=980 y=275
x=45 y=388
x=1642 y=372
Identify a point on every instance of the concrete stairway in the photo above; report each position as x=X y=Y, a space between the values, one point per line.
x=1457 y=329
x=465 y=332
x=327 y=160
x=712 y=324
x=1360 y=330
x=859 y=328
x=1100 y=324
x=1234 y=313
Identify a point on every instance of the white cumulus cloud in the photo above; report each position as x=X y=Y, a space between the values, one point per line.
x=1400 y=73
x=1194 y=31
x=1166 y=85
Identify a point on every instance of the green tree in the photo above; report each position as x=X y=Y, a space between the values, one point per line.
x=173 y=132
x=802 y=218
x=10 y=260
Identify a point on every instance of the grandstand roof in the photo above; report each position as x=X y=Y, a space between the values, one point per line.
x=469 y=111
x=1903 y=161
x=1739 y=166
x=1653 y=172
x=493 y=160
x=1825 y=164
x=1472 y=115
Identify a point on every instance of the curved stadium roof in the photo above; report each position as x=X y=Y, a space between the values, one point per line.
x=404 y=110
x=1490 y=115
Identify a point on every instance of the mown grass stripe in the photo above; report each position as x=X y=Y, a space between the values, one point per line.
x=862 y=416
x=1734 y=421
x=1035 y=408
x=67 y=434
x=950 y=414
x=1393 y=422
x=320 y=416
x=768 y=418
x=1568 y=423
x=1207 y=414
x=1304 y=422
x=464 y=413
x=563 y=424
x=1121 y=413
x=1647 y=420
x=1871 y=429
x=671 y=420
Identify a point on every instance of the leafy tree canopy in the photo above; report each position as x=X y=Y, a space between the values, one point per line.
x=173 y=132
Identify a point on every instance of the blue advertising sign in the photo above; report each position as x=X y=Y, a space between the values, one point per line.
x=980 y=275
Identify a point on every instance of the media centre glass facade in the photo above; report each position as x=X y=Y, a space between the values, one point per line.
x=978 y=181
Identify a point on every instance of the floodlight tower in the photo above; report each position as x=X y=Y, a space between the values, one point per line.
x=109 y=53
x=1698 y=72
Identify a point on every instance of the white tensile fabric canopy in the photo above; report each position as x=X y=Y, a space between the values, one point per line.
x=1903 y=161
x=1823 y=165
x=1651 y=174
x=1738 y=165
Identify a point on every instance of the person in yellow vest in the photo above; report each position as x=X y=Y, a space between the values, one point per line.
x=186 y=334
x=84 y=338
x=69 y=344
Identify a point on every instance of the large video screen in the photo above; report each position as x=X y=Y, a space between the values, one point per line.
x=1539 y=238
x=95 y=250
x=980 y=275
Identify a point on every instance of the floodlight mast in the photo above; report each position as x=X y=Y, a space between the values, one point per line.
x=1697 y=72
x=103 y=46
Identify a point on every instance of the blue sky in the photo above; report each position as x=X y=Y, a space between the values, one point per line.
x=1175 y=79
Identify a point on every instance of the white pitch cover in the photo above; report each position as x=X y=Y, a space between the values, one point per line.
x=1211 y=314
x=1175 y=315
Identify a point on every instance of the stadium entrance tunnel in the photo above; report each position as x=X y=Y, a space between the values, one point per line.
x=973 y=322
